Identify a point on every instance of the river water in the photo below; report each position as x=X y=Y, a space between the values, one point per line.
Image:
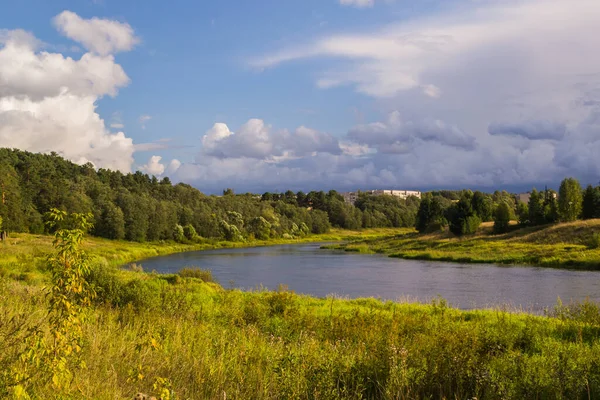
x=310 y=270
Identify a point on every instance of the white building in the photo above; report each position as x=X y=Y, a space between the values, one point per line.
x=403 y=194
x=351 y=197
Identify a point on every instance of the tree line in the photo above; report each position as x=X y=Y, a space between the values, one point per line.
x=464 y=213
x=139 y=207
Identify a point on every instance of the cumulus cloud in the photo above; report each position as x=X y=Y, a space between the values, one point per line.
x=173 y=166
x=100 y=36
x=398 y=136
x=153 y=166
x=258 y=140
x=48 y=101
x=496 y=93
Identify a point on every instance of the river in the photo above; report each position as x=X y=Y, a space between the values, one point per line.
x=310 y=270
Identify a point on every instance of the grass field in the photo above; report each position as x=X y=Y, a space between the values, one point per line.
x=562 y=245
x=194 y=340
x=185 y=337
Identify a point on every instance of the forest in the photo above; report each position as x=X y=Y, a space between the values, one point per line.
x=139 y=207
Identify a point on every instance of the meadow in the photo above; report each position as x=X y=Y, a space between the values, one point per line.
x=183 y=336
x=573 y=245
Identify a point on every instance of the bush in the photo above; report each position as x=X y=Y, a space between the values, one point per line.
x=204 y=275
x=190 y=233
x=594 y=241
x=178 y=234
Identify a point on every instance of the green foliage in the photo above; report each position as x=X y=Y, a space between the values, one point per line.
x=70 y=295
x=569 y=200
x=261 y=228
x=231 y=232
x=204 y=275
x=190 y=233
x=482 y=206
x=178 y=234
x=594 y=241
x=279 y=345
x=462 y=217
x=523 y=213
x=431 y=214
x=591 y=203
x=502 y=218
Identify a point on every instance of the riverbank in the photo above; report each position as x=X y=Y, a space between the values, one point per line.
x=197 y=340
x=568 y=245
x=183 y=336
x=22 y=256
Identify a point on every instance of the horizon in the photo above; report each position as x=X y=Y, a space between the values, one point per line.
x=340 y=94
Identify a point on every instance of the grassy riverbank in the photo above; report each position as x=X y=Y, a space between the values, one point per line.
x=195 y=340
x=569 y=245
x=22 y=256
x=185 y=337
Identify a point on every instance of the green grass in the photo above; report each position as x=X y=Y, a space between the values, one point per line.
x=204 y=342
x=569 y=245
x=188 y=336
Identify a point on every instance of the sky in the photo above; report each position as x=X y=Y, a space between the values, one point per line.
x=270 y=95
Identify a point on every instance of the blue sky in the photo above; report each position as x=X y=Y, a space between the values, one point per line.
x=313 y=94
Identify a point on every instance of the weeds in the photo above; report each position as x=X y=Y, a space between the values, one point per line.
x=197 y=273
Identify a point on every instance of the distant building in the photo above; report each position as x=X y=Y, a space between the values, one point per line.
x=523 y=197
x=403 y=194
x=351 y=197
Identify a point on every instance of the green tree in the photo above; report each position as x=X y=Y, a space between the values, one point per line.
x=178 y=234
x=190 y=233
x=569 y=200
x=430 y=215
x=536 y=208
x=591 y=203
x=482 y=206
x=502 y=218
x=462 y=218
x=523 y=213
x=260 y=228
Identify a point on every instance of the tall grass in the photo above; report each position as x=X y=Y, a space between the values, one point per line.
x=203 y=342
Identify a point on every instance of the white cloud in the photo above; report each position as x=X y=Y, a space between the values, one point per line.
x=358 y=3
x=173 y=166
x=493 y=93
x=48 y=102
x=153 y=166
x=27 y=72
x=101 y=36
x=257 y=140
x=144 y=119
x=530 y=42
x=66 y=124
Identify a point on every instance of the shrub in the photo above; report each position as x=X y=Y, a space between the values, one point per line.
x=205 y=275
x=594 y=241
x=190 y=233
x=178 y=234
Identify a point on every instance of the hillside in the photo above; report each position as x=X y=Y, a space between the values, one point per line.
x=571 y=245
